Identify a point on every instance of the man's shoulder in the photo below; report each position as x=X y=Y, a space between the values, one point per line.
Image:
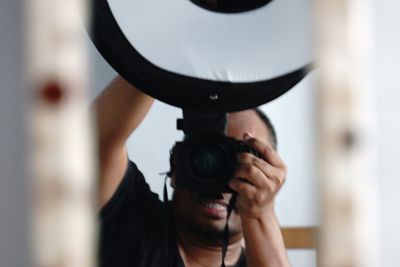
x=141 y=221
x=133 y=194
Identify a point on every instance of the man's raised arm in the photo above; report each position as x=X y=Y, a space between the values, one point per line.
x=119 y=109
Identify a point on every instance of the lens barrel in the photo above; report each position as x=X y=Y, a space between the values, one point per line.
x=206 y=162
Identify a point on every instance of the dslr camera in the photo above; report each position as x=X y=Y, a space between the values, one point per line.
x=206 y=159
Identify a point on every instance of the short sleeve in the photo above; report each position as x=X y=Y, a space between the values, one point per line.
x=129 y=207
x=132 y=188
x=137 y=229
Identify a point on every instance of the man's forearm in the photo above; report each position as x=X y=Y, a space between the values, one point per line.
x=264 y=242
x=119 y=110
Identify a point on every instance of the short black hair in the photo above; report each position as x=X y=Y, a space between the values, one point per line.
x=269 y=126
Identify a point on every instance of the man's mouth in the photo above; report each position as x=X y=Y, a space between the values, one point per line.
x=218 y=205
x=214 y=208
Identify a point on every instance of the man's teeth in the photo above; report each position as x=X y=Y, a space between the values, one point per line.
x=216 y=206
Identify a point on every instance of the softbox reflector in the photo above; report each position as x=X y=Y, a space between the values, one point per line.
x=191 y=57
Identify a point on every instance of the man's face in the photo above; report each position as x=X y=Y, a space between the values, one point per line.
x=205 y=215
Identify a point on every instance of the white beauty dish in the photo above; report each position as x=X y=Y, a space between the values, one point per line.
x=206 y=59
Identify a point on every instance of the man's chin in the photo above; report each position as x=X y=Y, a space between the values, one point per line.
x=210 y=232
x=214 y=228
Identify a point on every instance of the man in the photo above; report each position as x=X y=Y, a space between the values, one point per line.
x=138 y=230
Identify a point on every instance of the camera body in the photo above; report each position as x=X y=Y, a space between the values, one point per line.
x=206 y=162
x=206 y=159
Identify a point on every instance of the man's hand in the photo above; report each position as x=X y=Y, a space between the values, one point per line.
x=257 y=180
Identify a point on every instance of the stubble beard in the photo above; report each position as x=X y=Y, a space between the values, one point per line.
x=207 y=232
x=201 y=228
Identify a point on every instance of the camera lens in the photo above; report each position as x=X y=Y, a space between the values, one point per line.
x=208 y=161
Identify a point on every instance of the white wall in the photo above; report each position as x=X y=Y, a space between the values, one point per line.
x=387 y=69
x=293 y=116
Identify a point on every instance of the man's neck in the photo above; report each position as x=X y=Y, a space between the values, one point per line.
x=197 y=254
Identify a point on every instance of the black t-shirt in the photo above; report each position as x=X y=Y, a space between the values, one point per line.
x=137 y=229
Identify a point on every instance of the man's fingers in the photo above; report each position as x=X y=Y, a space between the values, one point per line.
x=243 y=188
x=250 y=193
x=251 y=174
x=268 y=153
x=257 y=171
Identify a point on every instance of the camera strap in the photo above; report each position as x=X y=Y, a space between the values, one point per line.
x=225 y=237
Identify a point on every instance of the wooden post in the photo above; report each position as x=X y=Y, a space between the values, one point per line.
x=347 y=134
x=62 y=165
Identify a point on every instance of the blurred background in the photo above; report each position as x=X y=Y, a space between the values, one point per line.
x=294 y=116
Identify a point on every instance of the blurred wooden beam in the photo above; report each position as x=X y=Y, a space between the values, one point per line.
x=300 y=237
x=61 y=150
x=347 y=134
